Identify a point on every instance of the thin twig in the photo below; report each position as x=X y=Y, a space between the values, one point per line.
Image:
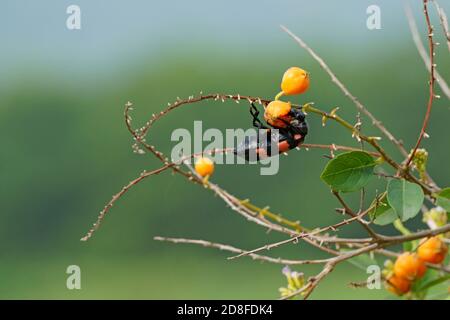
x=334 y=147
x=303 y=235
x=346 y=92
x=117 y=196
x=257 y=217
x=350 y=212
x=314 y=281
x=390 y=240
x=423 y=52
x=431 y=83
x=229 y=248
x=444 y=22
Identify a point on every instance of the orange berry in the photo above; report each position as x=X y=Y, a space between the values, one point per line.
x=409 y=266
x=432 y=250
x=295 y=81
x=398 y=285
x=204 y=166
x=277 y=113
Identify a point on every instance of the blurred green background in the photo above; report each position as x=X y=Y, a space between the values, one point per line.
x=65 y=149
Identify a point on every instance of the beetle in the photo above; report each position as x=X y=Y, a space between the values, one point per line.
x=291 y=129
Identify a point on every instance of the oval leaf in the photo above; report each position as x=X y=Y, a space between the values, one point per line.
x=405 y=198
x=443 y=199
x=349 y=171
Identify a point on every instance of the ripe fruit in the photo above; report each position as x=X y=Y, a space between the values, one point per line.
x=398 y=285
x=432 y=250
x=204 y=166
x=295 y=81
x=409 y=266
x=277 y=113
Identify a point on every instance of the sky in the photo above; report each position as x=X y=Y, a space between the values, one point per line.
x=113 y=32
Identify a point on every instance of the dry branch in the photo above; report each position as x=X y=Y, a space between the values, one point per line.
x=423 y=52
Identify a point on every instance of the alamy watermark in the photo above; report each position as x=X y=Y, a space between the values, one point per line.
x=374 y=280
x=373 y=21
x=73 y=21
x=73 y=281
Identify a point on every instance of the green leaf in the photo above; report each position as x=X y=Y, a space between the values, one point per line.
x=429 y=284
x=432 y=285
x=382 y=214
x=408 y=246
x=349 y=171
x=405 y=198
x=443 y=199
x=418 y=286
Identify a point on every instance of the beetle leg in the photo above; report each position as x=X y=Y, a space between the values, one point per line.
x=256 y=122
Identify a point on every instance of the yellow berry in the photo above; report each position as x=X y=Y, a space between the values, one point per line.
x=295 y=81
x=398 y=285
x=432 y=250
x=409 y=266
x=204 y=166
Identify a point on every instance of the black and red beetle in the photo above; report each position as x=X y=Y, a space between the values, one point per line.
x=291 y=131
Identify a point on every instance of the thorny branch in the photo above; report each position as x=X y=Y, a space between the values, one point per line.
x=229 y=248
x=444 y=22
x=431 y=84
x=318 y=237
x=423 y=52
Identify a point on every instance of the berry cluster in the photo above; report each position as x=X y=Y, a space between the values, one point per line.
x=410 y=266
